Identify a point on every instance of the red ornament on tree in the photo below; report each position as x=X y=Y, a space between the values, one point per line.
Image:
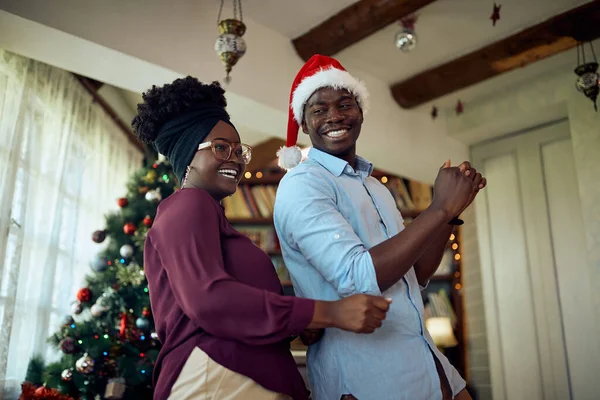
x=123 y=326
x=147 y=220
x=84 y=295
x=146 y=312
x=129 y=228
x=122 y=202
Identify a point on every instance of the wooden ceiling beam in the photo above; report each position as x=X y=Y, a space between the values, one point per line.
x=353 y=24
x=538 y=42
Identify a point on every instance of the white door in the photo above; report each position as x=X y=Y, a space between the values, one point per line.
x=535 y=275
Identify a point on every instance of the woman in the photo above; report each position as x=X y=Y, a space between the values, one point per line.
x=217 y=302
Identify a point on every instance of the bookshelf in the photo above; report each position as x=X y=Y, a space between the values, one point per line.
x=250 y=211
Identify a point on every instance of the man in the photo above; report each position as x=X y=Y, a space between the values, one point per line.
x=341 y=233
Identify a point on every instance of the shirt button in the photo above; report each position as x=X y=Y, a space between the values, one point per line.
x=336 y=236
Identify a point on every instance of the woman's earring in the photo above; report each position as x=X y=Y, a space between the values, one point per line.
x=185 y=177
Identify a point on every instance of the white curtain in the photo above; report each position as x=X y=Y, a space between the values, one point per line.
x=63 y=164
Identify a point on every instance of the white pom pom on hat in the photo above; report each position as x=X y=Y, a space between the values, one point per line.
x=318 y=72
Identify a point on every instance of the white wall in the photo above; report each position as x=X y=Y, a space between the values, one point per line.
x=114 y=97
x=179 y=37
x=548 y=97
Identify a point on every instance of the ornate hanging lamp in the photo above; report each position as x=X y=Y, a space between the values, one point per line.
x=230 y=46
x=589 y=80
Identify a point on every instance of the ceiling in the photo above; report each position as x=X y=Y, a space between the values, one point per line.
x=446 y=29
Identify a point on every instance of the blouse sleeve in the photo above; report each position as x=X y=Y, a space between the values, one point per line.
x=189 y=246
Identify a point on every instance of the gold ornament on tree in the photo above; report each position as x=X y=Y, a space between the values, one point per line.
x=130 y=275
x=150 y=177
x=230 y=46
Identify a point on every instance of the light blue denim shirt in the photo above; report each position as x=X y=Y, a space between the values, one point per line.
x=328 y=215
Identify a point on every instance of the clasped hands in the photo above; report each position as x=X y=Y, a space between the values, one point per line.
x=455 y=188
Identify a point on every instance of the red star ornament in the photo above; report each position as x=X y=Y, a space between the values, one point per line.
x=459 y=107
x=495 y=14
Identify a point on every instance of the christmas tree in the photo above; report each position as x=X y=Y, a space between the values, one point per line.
x=108 y=345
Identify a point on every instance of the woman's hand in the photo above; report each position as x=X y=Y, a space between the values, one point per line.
x=311 y=336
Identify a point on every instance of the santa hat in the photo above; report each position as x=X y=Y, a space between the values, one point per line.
x=318 y=72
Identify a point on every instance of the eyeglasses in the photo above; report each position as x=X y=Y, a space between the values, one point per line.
x=223 y=148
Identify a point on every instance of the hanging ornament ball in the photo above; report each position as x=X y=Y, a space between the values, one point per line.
x=97 y=310
x=147 y=220
x=146 y=312
x=126 y=251
x=85 y=364
x=84 y=295
x=143 y=189
x=406 y=40
x=142 y=323
x=129 y=228
x=122 y=202
x=99 y=236
x=153 y=195
x=100 y=264
x=67 y=375
x=76 y=308
x=67 y=345
x=154 y=335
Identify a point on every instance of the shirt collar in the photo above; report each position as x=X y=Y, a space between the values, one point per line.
x=336 y=165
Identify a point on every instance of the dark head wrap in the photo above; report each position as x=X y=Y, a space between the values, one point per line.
x=179 y=138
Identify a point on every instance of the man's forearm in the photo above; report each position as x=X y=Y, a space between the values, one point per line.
x=394 y=257
x=429 y=262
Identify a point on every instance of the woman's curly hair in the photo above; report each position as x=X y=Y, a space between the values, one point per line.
x=161 y=104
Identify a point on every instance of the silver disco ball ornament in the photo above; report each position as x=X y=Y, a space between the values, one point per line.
x=406 y=40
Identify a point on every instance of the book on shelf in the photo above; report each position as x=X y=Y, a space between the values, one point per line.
x=256 y=201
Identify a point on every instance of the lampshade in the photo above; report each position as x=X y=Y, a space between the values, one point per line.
x=441 y=331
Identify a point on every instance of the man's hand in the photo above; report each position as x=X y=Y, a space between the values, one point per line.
x=478 y=180
x=311 y=336
x=453 y=190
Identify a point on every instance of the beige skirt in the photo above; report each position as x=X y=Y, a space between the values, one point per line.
x=203 y=379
